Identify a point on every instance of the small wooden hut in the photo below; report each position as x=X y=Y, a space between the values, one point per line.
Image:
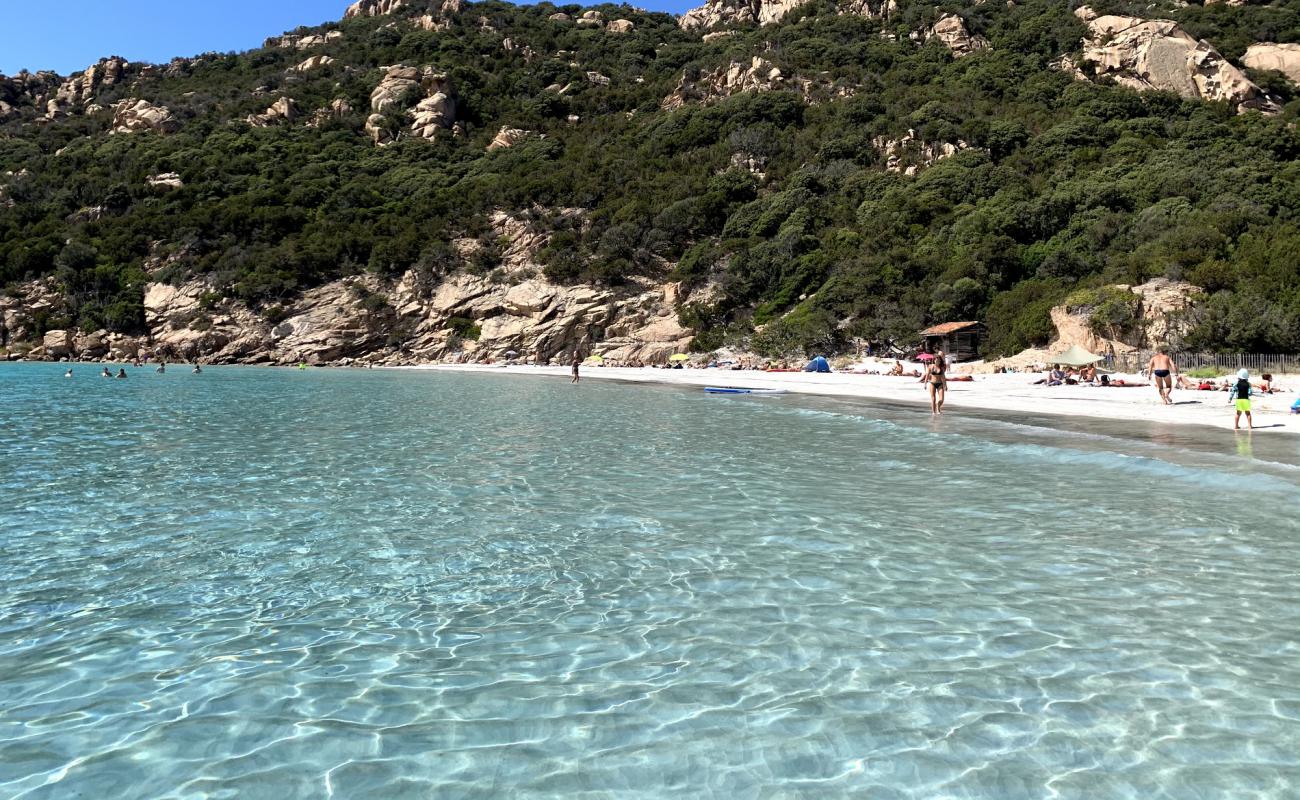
x=959 y=340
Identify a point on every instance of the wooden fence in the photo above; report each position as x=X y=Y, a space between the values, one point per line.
x=1257 y=363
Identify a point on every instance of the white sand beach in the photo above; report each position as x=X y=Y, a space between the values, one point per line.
x=1014 y=392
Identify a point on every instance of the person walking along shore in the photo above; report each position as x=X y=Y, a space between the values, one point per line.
x=936 y=379
x=1163 y=371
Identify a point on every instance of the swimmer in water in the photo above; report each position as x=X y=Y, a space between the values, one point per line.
x=162 y=367
x=106 y=373
x=197 y=369
x=68 y=374
x=121 y=373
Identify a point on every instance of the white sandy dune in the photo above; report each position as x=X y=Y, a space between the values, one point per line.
x=1006 y=392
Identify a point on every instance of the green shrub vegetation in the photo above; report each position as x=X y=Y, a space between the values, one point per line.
x=1068 y=185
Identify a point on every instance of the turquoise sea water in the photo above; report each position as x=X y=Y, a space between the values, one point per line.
x=274 y=584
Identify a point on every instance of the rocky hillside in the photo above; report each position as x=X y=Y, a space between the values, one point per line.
x=432 y=179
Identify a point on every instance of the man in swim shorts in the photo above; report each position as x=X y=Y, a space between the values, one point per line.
x=1162 y=367
x=1241 y=392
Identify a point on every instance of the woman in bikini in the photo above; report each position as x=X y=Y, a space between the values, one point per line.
x=938 y=382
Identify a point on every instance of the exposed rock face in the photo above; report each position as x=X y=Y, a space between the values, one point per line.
x=1162 y=318
x=908 y=154
x=378 y=133
x=138 y=116
x=57 y=344
x=379 y=8
x=20 y=309
x=951 y=30
x=507 y=137
x=1158 y=54
x=372 y=8
x=380 y=321
x=28 y=89
x=1285 y=58
x=591 y=19
x=396 y=82
x=293 y=42
x=736 y=12
x=432 y=115
x=338 y=109
x=80 y=89
x=313 y=63
x=619 y=26
x=873 y=9
x=282 y=111
x=762 y=12
x=758 y=76
x=165 y=180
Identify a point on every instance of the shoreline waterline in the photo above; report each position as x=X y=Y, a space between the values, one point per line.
x=1008 y=394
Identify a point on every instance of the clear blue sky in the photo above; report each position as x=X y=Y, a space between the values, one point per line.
x=33 y=35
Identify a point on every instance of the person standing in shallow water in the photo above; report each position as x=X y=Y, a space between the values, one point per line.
x=1162 y=369
x=1241 y=393
x=937 y=382
x=576 y=363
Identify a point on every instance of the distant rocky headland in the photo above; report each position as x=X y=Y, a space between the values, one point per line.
x=427 y=181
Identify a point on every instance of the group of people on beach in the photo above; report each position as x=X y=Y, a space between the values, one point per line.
x=1240 y=392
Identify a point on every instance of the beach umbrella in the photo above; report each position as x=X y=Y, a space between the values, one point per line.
x=925 y=357
x=679 y=357
x=1076 y=356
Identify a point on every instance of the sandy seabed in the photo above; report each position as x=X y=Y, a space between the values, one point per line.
x=1013 y=392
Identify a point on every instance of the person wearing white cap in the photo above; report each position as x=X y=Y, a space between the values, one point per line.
x=1241 y=395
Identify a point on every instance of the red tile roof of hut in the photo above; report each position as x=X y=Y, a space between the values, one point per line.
x=947 y=328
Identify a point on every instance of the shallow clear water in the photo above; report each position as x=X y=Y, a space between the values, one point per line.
x=257 y=583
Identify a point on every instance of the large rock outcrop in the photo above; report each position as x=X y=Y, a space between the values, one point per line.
x=951 y=30
x=282 y=111
x=373 y=8
x=1161 y=315
x=141 y=116
x=908 y=154
x=1158 y=54
x=81 y=89
x=292 y=41
x=507 y=137
x=763 y=12
x=1284 y=58
x=379 y=8
x=419 y=317
x=736 y=12
x=311 y=64
x=337 y=109
x=435 y=113
x=757 y=76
